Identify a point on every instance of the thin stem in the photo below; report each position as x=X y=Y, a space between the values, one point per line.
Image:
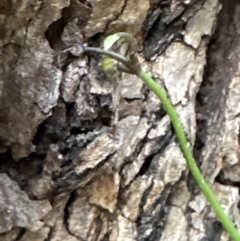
x=134 y=67
x=187 y=152
x=110 y=54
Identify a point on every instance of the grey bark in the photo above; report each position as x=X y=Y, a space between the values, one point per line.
x=87 y=158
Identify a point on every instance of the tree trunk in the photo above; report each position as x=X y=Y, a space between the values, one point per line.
x=84 y=157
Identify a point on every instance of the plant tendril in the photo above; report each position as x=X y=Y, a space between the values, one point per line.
x=132 y=66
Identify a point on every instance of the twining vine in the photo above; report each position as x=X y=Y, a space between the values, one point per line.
x=113 y=62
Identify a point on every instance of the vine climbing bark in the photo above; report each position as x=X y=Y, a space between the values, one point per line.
x=86 y=158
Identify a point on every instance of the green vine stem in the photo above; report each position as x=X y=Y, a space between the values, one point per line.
x=132 y=66
x=187 y=152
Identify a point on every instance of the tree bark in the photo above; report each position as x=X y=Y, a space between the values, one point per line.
x=84 y=157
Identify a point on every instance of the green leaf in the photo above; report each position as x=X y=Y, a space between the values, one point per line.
x=123 y=37
x=109 y=66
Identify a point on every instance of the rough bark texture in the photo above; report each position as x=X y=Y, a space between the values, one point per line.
x=84 y=158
